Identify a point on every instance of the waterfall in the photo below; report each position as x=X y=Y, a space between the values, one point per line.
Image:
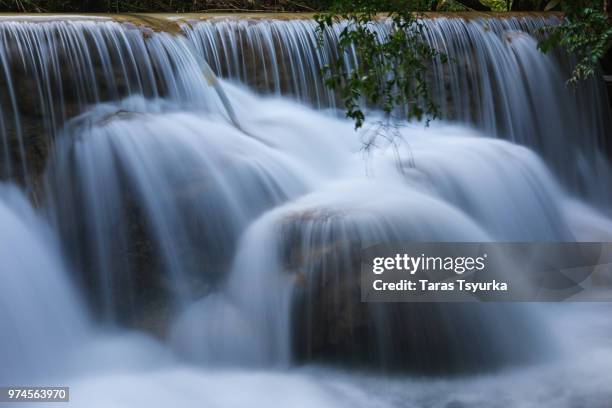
x=165 y=195
x=41 y=315
x=222 y=219
x=54 y=70
x=300 y=257
x=496 y=79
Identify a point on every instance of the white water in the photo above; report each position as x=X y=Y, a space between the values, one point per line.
x=445 y=182
x=579 y=379
x=41 y=317
x=121 y=369
x=497 y=80
x=211 y=237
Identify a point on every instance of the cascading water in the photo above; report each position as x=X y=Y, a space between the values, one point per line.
x=231 y=233
x=53 y=70
x=157 y=185
x=497 y=80
x=37 y=301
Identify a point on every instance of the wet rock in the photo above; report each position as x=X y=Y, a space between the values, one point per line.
x=332 y=325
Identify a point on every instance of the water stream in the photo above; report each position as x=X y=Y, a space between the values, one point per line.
x=165 y=244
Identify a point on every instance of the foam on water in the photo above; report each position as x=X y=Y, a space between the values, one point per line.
x=579 y=379
x=231 y=237
x=40 y=313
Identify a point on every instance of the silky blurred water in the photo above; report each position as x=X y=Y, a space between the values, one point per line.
x=189 y=241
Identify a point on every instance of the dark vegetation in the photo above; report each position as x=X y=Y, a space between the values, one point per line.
x=173 y=6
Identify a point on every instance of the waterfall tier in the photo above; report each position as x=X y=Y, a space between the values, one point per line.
x=228 y=223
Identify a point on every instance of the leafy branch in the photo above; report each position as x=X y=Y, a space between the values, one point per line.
x=585 y=32
x=390 y=67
